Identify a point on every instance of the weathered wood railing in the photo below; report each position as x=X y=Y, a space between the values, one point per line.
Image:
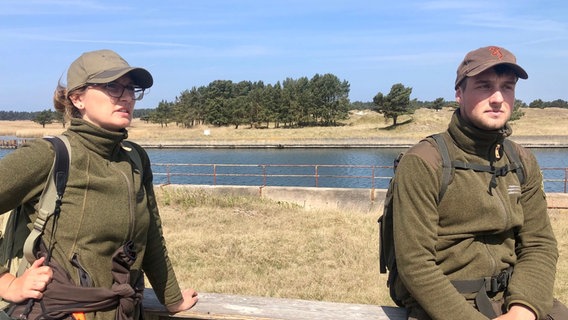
x=214 y=306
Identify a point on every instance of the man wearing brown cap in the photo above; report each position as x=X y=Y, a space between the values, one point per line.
x=485 y=249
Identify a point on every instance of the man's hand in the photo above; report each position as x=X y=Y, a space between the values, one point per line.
x=518 y=312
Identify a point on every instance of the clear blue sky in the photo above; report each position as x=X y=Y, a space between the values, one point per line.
x=372 y=44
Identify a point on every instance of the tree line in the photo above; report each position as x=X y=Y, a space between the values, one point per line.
x=43 y=118
x=322 y=100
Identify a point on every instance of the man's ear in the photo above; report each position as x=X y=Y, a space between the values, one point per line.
x=458 y=95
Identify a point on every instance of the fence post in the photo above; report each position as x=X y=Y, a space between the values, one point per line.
x=373 y=178
x=168 y=171
x=565 y=178
x=264 y=175
x=316 y=175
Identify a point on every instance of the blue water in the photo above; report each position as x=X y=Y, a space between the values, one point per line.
x=300 y=174
x=361 y=156
x=375 y=170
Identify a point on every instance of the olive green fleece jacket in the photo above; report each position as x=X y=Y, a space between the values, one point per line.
x=474 y=232
x=105 y=204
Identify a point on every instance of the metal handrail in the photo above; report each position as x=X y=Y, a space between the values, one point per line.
x=314 y=172
x=563 y=179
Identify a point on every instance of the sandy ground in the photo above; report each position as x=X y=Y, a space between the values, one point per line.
x=538 y=127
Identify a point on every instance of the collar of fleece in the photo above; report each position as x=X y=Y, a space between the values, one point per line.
x=99 y=140
x=474 y=140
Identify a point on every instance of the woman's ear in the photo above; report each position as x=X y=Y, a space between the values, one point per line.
x=77 y=101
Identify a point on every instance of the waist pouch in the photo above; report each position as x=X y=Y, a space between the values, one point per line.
x=62 y=297
x=482 y=287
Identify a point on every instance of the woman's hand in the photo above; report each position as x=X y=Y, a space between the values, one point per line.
x=189 y=300
x=31 y=284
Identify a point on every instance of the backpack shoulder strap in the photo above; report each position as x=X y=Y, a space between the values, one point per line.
x=515 y=158
x=447 y=169
x=134 y=155
x=50 y=198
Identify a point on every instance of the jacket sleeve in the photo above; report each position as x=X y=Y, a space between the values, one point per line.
x=156 y=263
x=537 y=253
x=415 y=223
x=24 y=172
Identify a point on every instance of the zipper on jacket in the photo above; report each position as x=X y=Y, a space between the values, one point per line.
x=506 y=220
x=132 y=205
x=506 y=199
x=84 y=277
x=493 y=263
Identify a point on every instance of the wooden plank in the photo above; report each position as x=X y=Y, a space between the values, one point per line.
x=214 y=306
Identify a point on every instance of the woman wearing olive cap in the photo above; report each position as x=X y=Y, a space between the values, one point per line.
x=108 y=202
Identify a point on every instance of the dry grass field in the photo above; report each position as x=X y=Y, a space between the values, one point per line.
x=253 y=246
x=361 y=126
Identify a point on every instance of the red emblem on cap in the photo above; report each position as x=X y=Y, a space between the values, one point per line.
x=496 y=51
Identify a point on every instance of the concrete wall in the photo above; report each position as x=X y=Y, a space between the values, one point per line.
x=353 y=199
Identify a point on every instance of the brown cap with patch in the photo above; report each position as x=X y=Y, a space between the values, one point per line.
x=477 y=61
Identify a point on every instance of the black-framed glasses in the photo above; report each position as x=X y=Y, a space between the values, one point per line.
x=116 y=90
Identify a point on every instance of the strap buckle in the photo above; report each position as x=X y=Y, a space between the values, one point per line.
x=499 y=282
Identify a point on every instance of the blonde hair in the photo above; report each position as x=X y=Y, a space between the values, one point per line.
x=62 y=101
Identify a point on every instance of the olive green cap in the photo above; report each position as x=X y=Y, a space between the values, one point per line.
x=479 y=60
x=104 y=66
